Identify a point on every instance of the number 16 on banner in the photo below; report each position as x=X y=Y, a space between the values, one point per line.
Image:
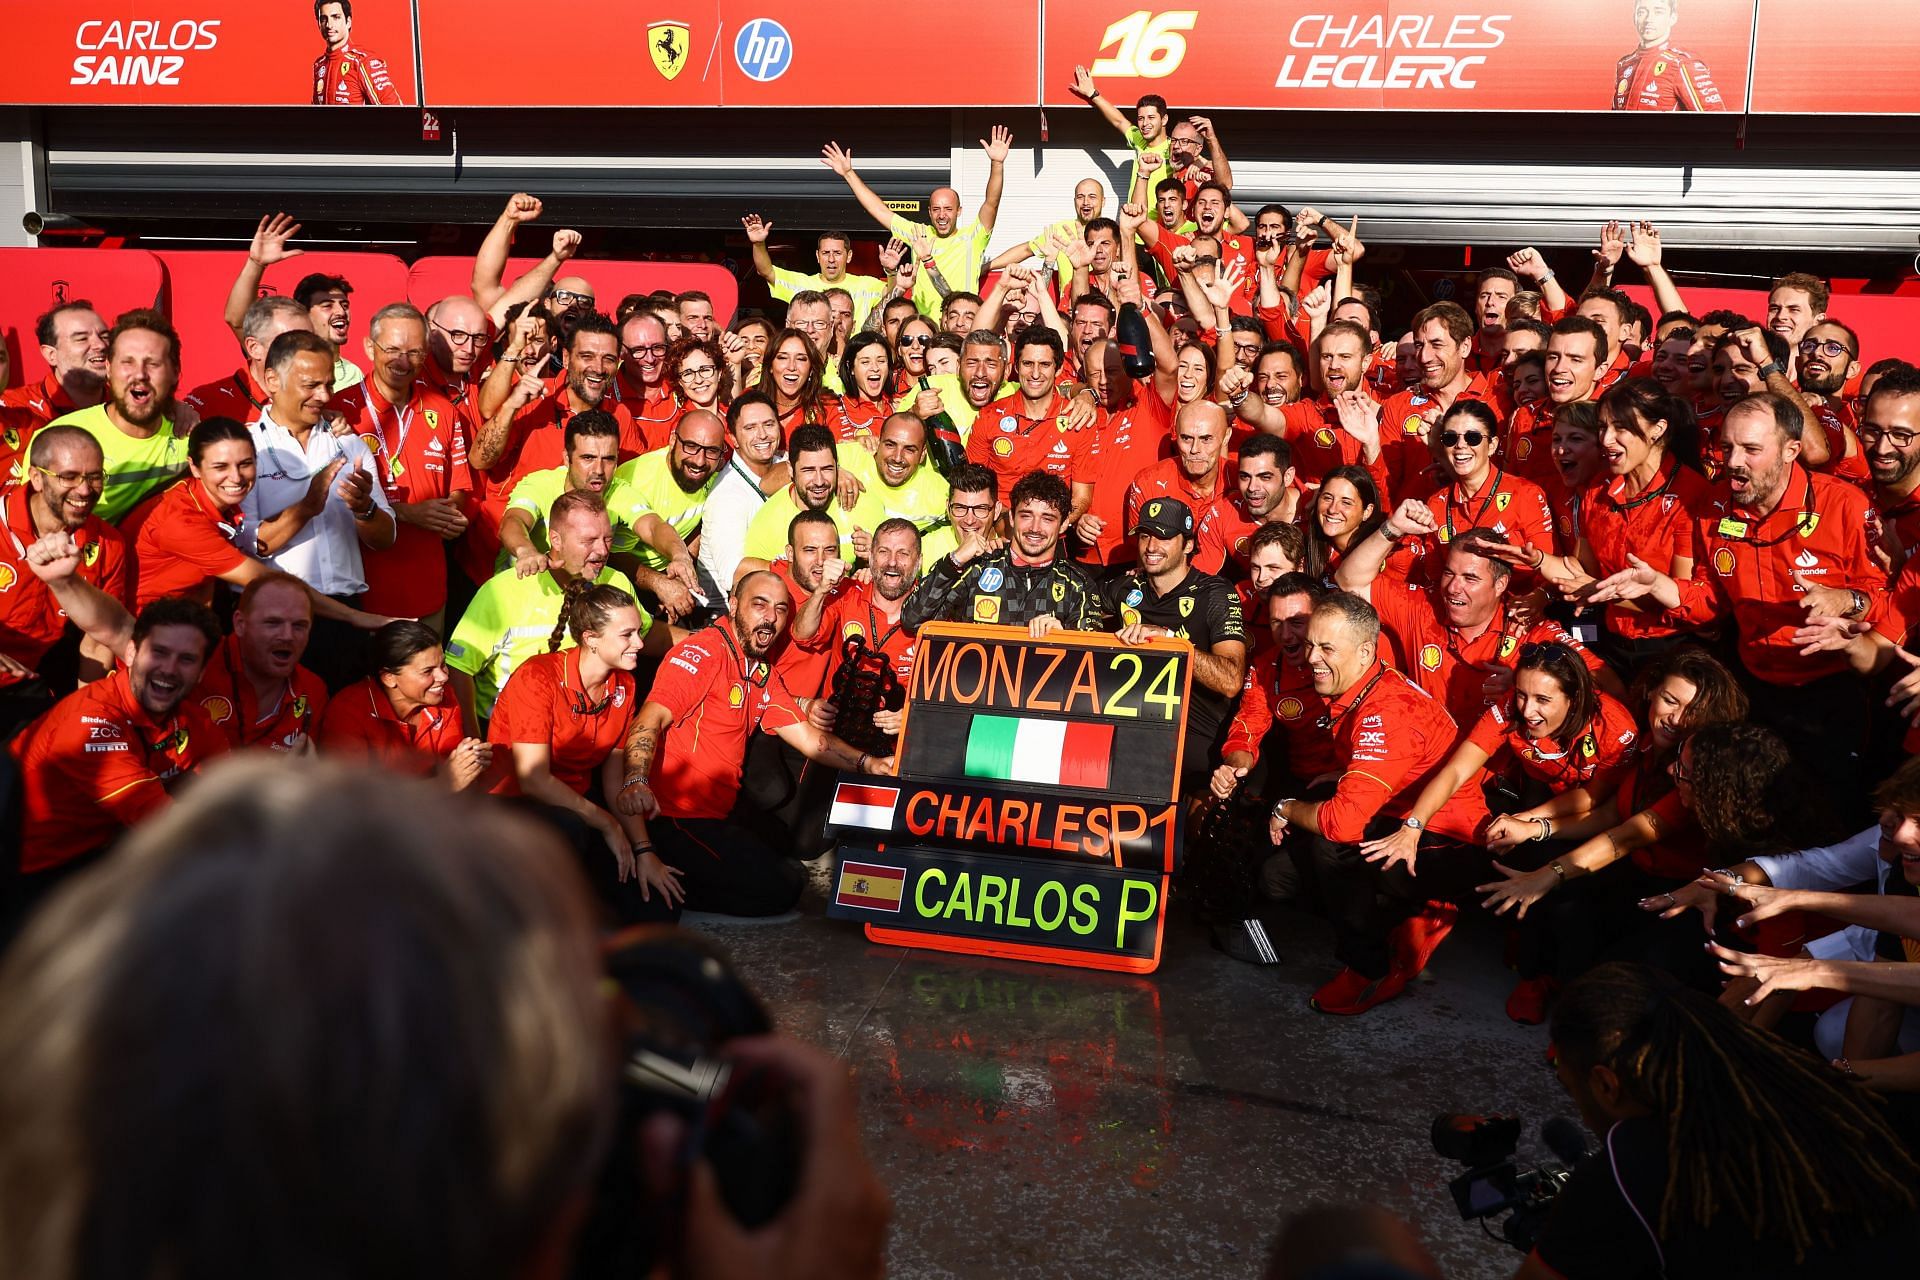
x=1151 y=45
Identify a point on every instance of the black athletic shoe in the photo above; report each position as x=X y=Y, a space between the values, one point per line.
x=1246 y=941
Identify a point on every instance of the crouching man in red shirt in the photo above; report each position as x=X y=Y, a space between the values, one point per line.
x=1389 y=737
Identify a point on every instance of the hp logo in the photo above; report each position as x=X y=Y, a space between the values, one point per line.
x=763 y=50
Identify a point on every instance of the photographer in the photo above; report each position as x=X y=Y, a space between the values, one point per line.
x=437 y=1092
x=1724 y=1152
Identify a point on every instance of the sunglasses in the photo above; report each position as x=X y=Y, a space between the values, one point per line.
x=568 y=298
x=1473 y=439
x=917 y=340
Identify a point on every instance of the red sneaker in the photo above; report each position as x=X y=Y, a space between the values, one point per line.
x=1353 y=992
x=1527 y=1004
x=1416 y=938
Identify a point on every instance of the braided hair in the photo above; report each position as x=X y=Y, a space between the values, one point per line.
x=586 y=607
x=1755 y=1128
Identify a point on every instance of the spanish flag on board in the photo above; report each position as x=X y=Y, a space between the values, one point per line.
x=877 y=888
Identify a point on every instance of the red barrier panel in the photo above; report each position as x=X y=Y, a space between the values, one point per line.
x=1886 y=323
x=32 y=281
x=198 y=282
x=435 y=278
x=237 y=53
x=1394 y=55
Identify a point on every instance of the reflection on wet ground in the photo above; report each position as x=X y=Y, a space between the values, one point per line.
x=1049 y=1122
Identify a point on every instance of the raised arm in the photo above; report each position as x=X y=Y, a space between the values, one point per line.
x=1529 y=265
x=840 y=160
x=1216 y=157
x=996 y=148
x=490 y=264
x=757 y=231
x=269 y=246
x=1361 y=565
x=1613 y=244
x=1084 y=88
x=532 y=286
x=1645 y=252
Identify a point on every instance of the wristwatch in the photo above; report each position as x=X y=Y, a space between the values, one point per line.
x=1413 y=824
x=1770 y=368
x=1279 y=808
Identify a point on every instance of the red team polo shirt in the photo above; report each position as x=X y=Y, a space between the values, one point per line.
x=1404 y=420
x=654 y=411
x=1011 y=445
x=1277 y=693
x=1126 y=442
x=31 y=620
x=1657 y=526
x=182 y=541
x=235 y=396
x=1594 y=759
x=1167 y=480
x=43 y=401
x=419 y=452
x=543 y=702
x=1440 y=662
x=1745 y=566
x=96 y=764
x=716 y=699
x=228 y=700
x=1388 y=739
x=850 y=611
x=359 y=722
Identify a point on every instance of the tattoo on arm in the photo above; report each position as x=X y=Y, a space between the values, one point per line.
x=640 y=750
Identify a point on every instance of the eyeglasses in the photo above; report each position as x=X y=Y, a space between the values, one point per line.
x=460 y=337
x=1679 y=770
x=97 y=479
x=1874 y=435
x=412 y=355
x=649 y=349
x=980 y=509
x=704 y=450
x=568 y=298
x=699 y=371
x=1825 y=346
x=1473 y=439
x=917 y=340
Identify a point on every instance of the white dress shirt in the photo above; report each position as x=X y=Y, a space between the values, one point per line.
x=326 y=553
x=731 y=505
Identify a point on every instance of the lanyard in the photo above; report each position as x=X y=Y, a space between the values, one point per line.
x=1803 y=525
x=1622 y=508
x=403 y=416
x=757 y=674
x=873 y=626
x=1493 y=490
x=240 y=385
x=1330 y=718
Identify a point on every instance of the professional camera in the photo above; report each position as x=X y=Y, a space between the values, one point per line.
x=1493 y=1183
x=679 y=1002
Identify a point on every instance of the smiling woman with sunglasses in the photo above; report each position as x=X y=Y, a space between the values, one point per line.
x=1476 y=492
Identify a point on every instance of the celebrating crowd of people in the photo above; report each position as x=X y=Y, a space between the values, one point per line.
x=1551 y=605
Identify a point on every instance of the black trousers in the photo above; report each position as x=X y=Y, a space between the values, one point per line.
x=1825 y=726
x=726 y=868
x=784 y=798
x=1366 y=904
x=620 y=902
x=1592 y=919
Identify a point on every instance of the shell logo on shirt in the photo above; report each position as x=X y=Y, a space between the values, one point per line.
x=1522 y=449
x=736 y=696
x=1324 y=437
x=1430 y=657
x=8 y=576
x=1002 y=447
x=1723 y=562
x=1414 y=425
x=986 y=609
x=852 y=629
x=1289 y=709
x=218 y=709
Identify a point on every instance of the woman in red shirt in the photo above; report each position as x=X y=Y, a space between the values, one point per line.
x=561 y=723
x=697 y=376
x=868 y=374
x=792 y=376
x=1346 y=510
x=1637 y=846
x=1644 y=506
x=1562 y=745
x=400 y=716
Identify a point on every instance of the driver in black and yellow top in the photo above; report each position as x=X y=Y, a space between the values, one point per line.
x=1027 y=580
x=1164 y=595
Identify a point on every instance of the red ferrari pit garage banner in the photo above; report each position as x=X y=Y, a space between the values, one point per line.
x=1859 y=57
x=738 y=53
x=1545 y=55
x=241 y=53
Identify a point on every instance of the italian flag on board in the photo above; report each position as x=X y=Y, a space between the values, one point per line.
x=1061 y=753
